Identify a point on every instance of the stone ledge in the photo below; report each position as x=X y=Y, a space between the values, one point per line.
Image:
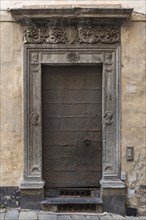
x=100 y=15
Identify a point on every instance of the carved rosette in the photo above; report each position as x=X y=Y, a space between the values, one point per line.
x=72 y=57
x=93 y=34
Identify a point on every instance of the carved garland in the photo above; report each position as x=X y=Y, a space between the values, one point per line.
x=82 y=34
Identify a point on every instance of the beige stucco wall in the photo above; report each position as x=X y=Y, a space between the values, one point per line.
x=11 y=150
x=134 y=110
x=133 y=92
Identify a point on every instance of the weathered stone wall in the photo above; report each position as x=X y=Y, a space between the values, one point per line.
x=133 y=96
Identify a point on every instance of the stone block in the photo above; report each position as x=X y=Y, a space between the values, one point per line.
x=91 y=217
x=105 y=217
x=114 y=200
x=25 y=215
x=78 y=217
x=31 y=199
x=2 y=214
x=46 y=216
x=117 y=217
x=64 y=217
x=12 y=215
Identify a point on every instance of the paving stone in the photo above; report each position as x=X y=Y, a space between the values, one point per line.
x=12 y=215
x=28 y=215
x=46 y=216
x=77 y=217
x=105 y=217
x=91 y=217
x=64 y=217
x=2 y=211
x=2 y=215
x=117 y=217
x=131 y=218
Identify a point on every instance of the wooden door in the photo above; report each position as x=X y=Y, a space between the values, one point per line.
x=72 y=125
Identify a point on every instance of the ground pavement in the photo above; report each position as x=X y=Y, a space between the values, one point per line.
x=19 y=214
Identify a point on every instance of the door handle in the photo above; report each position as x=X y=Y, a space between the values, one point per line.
x=87 y=142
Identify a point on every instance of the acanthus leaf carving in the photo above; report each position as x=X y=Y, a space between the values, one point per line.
x=93 y=34
x=56 y=34
x=32 y=35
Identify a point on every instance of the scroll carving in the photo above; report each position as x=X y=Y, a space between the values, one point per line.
x=72 y=35
x=98 y=34
x=108 y=72
x=35 y=62
x=35 y=118
x=108 y=117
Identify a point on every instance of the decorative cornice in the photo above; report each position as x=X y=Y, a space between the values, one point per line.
x=99 y=14
x=101 y=34
x=72 y=25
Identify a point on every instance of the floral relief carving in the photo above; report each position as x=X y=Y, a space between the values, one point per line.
x=44 y=34
x=72 y=57
x=32 y=35
x=92 y=34
x=56 y=35
x=98 y=34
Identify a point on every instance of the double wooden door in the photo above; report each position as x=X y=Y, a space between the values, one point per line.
x=72 y=126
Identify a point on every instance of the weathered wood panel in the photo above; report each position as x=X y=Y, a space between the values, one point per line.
x=69 y=137
x=63 y=96
x=65 y=77
x=72 y=124
x=71 y=109
x=72 y=179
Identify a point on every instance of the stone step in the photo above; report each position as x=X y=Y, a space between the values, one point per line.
x=72 y=204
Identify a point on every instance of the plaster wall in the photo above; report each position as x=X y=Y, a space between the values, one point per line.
x=133 y=96
x=138 y=5
x=133 y=109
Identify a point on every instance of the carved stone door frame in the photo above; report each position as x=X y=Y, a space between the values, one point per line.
x=73 y=41
x=38 y=55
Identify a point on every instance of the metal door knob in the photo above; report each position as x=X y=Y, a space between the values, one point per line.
x=87 y=142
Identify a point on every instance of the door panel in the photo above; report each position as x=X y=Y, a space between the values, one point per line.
x=72 y=126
